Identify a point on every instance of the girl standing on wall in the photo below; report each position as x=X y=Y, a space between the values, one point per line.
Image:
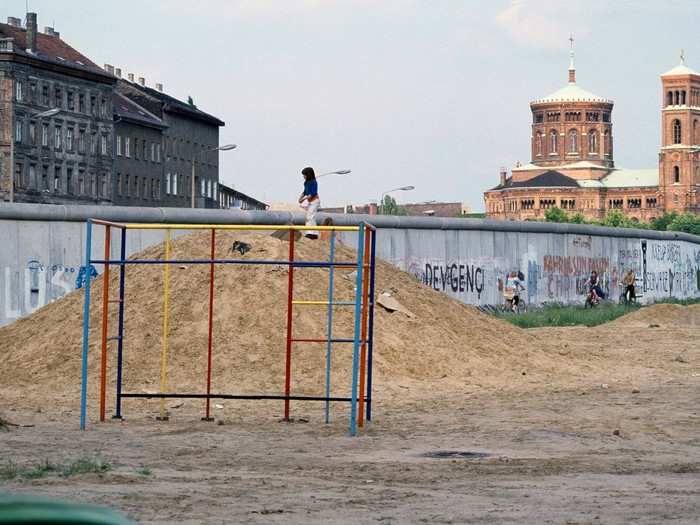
x=310 y=195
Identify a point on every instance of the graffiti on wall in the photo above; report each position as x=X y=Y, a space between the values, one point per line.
x=38 y=284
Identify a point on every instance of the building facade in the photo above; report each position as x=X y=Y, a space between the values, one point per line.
x=190 y=139
x=230 y=199
x=56 y=127
x=138 y=166
x=572 y=163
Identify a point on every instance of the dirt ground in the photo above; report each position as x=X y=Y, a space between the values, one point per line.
x=578 y=425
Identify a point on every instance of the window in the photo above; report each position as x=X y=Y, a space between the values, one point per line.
x=696 y=132
x=103 y=184
x=158 y=153
x=669 y=98
x=136 y=185
x=69 y=139
x=144 y=156
x=553 y=116
x=615 y=203
x=127 y=147
x=32 y=176
x=81 y=141
x=539 y=118
x=103 y=144
x=45 y=135
x=676 y=175
x=81 y=103
x=119 y=184
x=572 y=116
x=568 y=204
x=683 y=98
x=81 y=182
x=69 y=181
x=45 y=95
x=592 y=116
x=93 y=143
x=553 y=142
x=676 y=131
x=174 y=184
x=18 y=175
x=167 y=183
x=547 y=203
x=103 y=108
x=128 y=185
x=18 y=131
x=651 y=202
x=593 y=141
x=538 y=143
x=606 y=142
x=119 y=145
x=18 y=91
x=93 y=105
x=45 y=178
x=71 y=101
x=634 y=203
x=203 y=188
x=93 y=185
x=606 y=117
x=153 y=151
x=57 y=179
x=573 y=141
x=57 y=137
x=58 y=97
x=136 y=148
x=32 y=133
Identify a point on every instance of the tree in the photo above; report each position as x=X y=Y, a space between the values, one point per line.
x=556 y=214
x=389 y=207
x=616 y=219
x=686 y=222
x=661 y=223
x=578 y=218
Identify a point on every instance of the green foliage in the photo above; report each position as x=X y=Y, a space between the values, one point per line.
x=686 y=222
x=389 y=207
x=145 y=471
x=10 y=470
x=556 y=214
x=577 y=218
x=560 y=315
x=661 y=223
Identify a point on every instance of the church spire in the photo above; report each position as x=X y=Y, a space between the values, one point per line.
x=572 y=69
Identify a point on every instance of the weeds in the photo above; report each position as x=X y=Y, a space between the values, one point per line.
x=145 y=471
x=88 y=465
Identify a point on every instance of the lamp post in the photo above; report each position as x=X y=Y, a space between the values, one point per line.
x=339 y=172
x=227 y=147
x=402 y=188
x=44 y=114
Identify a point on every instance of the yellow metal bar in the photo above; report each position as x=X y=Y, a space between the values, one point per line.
x=164 y=339
x=310 y=302
x=252 y=227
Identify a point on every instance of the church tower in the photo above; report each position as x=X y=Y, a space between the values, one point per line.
x=679 y=158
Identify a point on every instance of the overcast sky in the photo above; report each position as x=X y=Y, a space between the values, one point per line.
x=433 y=93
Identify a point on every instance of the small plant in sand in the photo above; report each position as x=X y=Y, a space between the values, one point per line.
x=11 y=470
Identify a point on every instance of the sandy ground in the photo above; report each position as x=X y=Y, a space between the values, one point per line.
x=620 y=445
x=579 y=425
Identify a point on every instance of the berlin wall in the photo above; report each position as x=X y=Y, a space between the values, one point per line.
x=42 y=256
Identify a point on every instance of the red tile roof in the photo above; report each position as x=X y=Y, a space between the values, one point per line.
x=51 y=49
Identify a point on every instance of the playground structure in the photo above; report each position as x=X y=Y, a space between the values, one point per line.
x=363 y=316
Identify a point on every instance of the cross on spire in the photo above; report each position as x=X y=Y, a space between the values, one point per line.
x=682 y=57
x=572 y=69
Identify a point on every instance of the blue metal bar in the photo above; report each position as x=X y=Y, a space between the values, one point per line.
x=358 y=315
x=370 y=335
x=86 y=325
x=295 y=264
x=329 y=346
x=120 y=344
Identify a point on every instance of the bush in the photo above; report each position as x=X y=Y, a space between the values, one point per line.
x=686 y=222
x=556 y=214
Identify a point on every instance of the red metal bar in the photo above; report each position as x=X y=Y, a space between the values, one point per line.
x=365 y=311
x=290 y=294
x=207 y=417
x=105 y=309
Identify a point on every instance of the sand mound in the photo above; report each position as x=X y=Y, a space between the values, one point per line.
x=446 y=346
x=662 y=315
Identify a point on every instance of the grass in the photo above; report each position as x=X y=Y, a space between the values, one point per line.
x=86 y=465
x=145 y=471
x=573 y=315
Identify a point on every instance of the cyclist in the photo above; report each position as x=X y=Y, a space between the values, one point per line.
x=594 y=290
x=511 y=290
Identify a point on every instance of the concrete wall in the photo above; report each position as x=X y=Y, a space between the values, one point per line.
x=43 y=251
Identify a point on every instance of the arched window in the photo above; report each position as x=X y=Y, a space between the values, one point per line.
x=573 y=141
x=592 y=141
x=553 y=149
x=606 y=142
x=678 y=98
x=669 y=98
x=538 y=143
x=676 y=175
x=676 y=131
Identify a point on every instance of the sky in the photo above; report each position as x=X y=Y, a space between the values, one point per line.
x=429 y=93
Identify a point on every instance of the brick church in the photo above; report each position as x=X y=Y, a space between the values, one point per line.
x=573 y=167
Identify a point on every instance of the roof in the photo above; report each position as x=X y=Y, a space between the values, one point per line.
x=624 y=178
x=548 y=179
x=126 y=109
x=582 y=164
x=50 y=49
x=572 y=93
x=242 y=196
x=173 y=105
x=680 y=69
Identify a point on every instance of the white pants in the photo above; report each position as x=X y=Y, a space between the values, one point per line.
x=311 y=216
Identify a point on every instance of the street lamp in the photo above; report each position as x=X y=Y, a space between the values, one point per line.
x=227 y=147
x=402 y=188
x=339 y=172
x=44 y=114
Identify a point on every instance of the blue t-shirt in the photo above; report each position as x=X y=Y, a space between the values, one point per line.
x=311 y=188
